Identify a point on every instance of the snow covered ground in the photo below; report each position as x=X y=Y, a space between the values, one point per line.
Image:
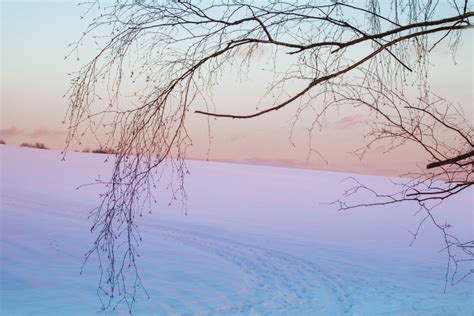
x=257 y=241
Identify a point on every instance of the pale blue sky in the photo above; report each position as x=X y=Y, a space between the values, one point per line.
x=35 y=37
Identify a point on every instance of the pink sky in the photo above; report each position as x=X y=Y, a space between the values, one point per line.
x=34 y=80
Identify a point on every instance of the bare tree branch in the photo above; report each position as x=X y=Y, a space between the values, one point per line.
x=451 y=160
x=158 y=62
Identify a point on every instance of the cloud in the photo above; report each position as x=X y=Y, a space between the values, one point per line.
x=44 y=132
x=36 y=133
x=350 y=121
x=11 y=131
x=235 y=138
x=379 y=149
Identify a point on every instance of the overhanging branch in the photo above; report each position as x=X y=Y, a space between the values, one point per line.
x=450 y=161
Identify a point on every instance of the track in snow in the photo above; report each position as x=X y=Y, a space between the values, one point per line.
x=274 y=281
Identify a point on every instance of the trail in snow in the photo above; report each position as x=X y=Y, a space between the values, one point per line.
x=274 y=281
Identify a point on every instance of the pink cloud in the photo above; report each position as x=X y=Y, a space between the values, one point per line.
x=350 y=121
x=379 y=149
x=44 y=132
x=235 y=138
x=11 y=131
x=39 y=132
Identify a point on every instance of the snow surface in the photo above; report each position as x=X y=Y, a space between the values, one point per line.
x=256 y=241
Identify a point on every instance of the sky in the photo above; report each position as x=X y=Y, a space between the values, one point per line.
x=34 y=41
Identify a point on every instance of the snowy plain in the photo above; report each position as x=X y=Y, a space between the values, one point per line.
x=256 y=241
